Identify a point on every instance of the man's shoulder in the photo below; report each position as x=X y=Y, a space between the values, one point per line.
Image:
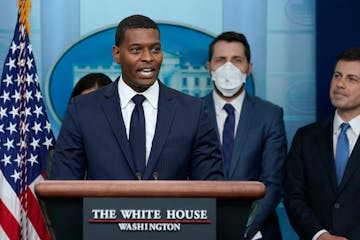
x=105 y=91
x=178 y=96
x=312 y=129
x=262 y=103
x=94 y=98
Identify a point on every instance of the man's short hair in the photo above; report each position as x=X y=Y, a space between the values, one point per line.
x=351 y=54
x=132 y=22
x=231 y=37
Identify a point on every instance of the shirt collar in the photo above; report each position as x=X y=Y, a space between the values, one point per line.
x=126 y=93
x=219 y=102
x=354 y=124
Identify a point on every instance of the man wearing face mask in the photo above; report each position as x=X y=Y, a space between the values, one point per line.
x=251 y=130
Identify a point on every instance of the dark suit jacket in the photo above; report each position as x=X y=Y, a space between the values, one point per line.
x=93 y=138
x=259 y=155
x=312 y=198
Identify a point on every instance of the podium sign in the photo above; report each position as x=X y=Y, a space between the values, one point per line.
x=147 y=209
x=149 y=218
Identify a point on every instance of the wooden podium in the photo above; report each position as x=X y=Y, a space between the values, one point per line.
x=62 y=201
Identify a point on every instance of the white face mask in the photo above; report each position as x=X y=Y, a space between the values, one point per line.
x=228 y=79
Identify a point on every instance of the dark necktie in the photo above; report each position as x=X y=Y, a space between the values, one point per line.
x=342 y=152
x=228 y=135
x=137 y=134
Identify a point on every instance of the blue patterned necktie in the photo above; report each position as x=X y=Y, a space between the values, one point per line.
x=137 y=134
x=228 y=135
x=342 y=152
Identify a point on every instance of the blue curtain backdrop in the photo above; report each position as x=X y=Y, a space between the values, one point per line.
x=337 y=27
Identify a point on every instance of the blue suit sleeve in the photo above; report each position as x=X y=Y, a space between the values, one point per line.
x=69 y=159
x=300 y=214
x=206 y=161
x=272 y=168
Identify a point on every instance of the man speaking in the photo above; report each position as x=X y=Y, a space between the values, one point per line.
x=136 y=127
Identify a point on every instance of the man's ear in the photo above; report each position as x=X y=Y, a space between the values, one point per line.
x=116 y=54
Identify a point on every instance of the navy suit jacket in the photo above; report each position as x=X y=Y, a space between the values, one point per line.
x=93 y=139
x=259 y=155
x=312 y=198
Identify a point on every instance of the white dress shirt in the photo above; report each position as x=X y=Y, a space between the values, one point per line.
x=221 y=114
x=150 y=106
x=352 y=133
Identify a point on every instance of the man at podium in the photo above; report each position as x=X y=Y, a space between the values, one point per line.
x=136 y=127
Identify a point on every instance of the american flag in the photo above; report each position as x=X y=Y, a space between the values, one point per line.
x=25 y=138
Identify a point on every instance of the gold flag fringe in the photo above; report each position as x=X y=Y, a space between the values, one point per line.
x=24 y=12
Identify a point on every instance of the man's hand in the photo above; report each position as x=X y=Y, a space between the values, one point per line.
x=328 y=236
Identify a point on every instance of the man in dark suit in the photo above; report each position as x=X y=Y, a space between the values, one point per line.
x=322 y=188
x=136 y=127
x=252 y=132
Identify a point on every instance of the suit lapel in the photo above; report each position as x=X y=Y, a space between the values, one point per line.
x=245 y=122
x=115 y=119
x=210 y=107
x=327 y=152
x=165 y=116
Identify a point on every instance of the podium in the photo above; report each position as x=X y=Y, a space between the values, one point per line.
x=63 y=202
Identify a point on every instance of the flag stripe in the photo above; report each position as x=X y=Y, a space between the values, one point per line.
x=31 y=232
x=9 y=223
x=3 y=234
x=33 y=211
x=11 y=205
x=9 y=198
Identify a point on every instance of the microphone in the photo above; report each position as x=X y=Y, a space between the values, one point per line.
x=138 y=176
x=155 y=176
